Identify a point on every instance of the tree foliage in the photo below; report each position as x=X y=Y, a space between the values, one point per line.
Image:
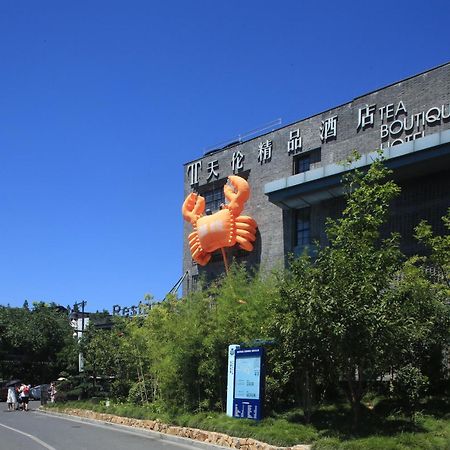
x=35 y=344
x=359 y=311
x=438 y=248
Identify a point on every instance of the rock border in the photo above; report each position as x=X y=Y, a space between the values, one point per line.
x=208 y=437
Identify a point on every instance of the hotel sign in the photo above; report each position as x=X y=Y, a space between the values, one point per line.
x=394 y=123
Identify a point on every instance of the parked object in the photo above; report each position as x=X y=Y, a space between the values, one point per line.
x=36 y=391
x=44 y=393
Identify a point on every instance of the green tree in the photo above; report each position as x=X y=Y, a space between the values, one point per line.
x=353 y=275
x=36 y=344
x=333 y=316
x=359 y=311
x=107 y=354
x=299 y=357
x=187 y=339
x=239 y=311
x=432 y=282
x=438 y=248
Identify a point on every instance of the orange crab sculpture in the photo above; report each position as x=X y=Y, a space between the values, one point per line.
x=225 y=228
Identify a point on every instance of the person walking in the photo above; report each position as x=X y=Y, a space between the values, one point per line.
x=52 y=392
x=25 y=396
x=11 y=398
x=18 y=397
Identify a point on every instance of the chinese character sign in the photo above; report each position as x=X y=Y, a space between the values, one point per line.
x=237 y=162
x=328 y=129
x=212 y=167
x=265 y=151
x=365 y=116
x=295 y=142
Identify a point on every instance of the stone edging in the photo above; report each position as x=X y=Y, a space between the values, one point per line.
x=209 y=437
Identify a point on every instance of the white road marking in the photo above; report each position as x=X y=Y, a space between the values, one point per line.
x=48 y=447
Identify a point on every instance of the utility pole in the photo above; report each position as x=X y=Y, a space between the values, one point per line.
x=79 y=331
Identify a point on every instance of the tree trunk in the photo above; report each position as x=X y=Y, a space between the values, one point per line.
x=355 y=393
x=307 y=397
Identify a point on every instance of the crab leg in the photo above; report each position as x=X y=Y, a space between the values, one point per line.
x=236 y=194
x=246 y=227
x=192 y=237
x=246 y=234
x=244 y=243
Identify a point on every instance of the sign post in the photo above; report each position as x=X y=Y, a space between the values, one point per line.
x=230 y=378
x=249 y=383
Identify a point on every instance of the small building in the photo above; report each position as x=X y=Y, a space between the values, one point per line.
x=295 y=171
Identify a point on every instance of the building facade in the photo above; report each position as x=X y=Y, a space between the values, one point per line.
x=295 y=171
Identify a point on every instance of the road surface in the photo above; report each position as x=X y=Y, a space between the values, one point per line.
x=35 y=430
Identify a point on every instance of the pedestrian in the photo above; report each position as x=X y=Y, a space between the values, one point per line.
x=25 y=395
x=11 y=398
x=19 y=398
x=52 y=392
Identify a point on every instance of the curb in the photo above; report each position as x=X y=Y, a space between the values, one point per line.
x=156 y=435
x=194 y=436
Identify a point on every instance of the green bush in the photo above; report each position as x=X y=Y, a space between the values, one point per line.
x=120 y=389
x=137 y=394
x=409 y=385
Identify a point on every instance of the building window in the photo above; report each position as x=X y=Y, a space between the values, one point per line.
x=302 y=163
x=302 y=235
x=213 y=199
x=194 y=283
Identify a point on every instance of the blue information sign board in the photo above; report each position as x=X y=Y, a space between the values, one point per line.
x=249 y=383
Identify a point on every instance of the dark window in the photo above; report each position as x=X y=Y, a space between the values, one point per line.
x=213 y=199
x=194 y=282
x=302 y=227
x=302 y=163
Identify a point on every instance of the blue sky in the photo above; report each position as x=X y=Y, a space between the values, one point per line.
x=102 y=102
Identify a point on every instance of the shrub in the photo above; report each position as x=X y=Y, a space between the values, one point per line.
x=408 y=386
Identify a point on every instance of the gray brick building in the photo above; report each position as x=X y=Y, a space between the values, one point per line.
x=294 y=172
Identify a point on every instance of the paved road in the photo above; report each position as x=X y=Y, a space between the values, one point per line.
x=34 y=430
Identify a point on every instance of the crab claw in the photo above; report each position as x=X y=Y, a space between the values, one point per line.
x=193 y=207
x=237 y=194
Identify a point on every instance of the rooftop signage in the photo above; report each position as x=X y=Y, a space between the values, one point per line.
x=397 y=126
x=131 y=311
